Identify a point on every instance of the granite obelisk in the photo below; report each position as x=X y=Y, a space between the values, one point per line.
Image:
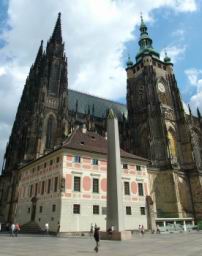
x=114 y=187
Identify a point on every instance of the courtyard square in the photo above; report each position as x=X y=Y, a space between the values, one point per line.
x=186 y=244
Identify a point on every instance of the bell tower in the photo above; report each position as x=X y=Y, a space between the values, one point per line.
x=156 y=116
x=158 y=128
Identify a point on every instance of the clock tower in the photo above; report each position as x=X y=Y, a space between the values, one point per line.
x=155 y=112
x=157 y=126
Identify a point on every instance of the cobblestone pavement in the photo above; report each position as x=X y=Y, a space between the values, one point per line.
x=185 y=244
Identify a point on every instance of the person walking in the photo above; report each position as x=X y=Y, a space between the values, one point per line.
x=12 y=229
x=97 y=238
x=17 y=229
x=142 y=230
x=58 y=228
x=46 y=228
x=139 y=230
x=158 y=230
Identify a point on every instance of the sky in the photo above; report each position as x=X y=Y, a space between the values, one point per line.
x=98 y=36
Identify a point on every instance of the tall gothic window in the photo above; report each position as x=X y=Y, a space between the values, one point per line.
x=172 y=144
x=50 y=132
x=54 y=78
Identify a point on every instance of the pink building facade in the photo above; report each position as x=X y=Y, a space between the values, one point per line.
x=68 y=187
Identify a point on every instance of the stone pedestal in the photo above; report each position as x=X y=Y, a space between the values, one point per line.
x=116 y=235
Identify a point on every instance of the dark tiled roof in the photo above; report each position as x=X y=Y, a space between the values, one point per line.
x=93 y=142
x=86 y=101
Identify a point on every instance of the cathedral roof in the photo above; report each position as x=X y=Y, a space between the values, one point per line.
x=99 y=105
x=95 y=143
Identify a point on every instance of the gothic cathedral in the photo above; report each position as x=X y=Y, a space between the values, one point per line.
x=153 y=125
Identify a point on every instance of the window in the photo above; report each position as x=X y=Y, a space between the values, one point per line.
x=57 y=159
x=49 y=186
x=76 y=208
x=30 y=192
x=53 y=208
x=41 y=209
x=125 y=166
x=77 y=184
x=96 y=209
x=36 y=188
x=142 y=210
x=140 y=189
x=51 y=162
x=42 y=187
x=127 y=188
x=77 y=159
x=28 y=210
x=128 y=210
x=56 y=184
x=44 y=165
x=95 y=185
x=38 y=167
x=95 y=162
x=138 y=167
x=50 y=132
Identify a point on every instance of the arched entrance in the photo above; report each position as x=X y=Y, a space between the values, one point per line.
x=33 y=208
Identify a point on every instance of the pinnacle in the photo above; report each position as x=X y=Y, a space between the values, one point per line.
x=57 y=32
x=111 y=114
x=39 y=54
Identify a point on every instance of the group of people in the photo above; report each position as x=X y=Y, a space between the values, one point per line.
x=14 y=229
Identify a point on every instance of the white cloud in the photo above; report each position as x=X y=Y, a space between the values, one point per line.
x=174 y=52
x=194 y=77
x=95 y=32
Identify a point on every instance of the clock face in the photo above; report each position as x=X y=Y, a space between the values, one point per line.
x=161 y=87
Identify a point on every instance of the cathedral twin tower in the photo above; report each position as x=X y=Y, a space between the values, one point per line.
x=41 y=120
x=156 y=127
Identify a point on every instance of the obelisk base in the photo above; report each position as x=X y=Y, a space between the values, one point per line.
x=116 y=235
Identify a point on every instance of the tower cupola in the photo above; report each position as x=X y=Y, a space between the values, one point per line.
x=145 y=43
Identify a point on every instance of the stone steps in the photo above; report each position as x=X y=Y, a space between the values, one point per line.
x=31 y=228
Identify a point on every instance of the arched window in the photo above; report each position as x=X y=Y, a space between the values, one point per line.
x=172 y=144
x=50 y=133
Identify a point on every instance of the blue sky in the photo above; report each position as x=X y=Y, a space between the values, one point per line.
x=98 y=36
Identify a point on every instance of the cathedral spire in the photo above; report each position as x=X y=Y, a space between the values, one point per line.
x=145 y=42
x=129 y=63
x=39 y=54
x=190 y=113
x=198 y=113
x=57 y=32
x=166 y=58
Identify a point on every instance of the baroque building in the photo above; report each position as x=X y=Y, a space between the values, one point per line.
x=152 y=125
